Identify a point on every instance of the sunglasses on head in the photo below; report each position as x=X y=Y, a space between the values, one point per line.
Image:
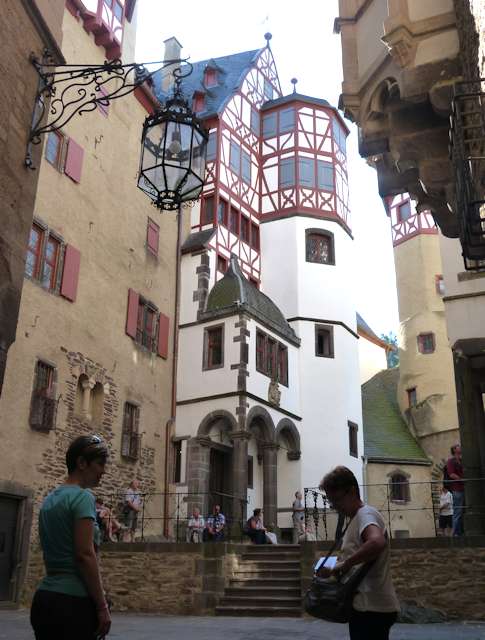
x=94 y=439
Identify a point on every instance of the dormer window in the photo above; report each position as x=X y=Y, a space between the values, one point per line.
x=198 y=102
x=210 y=77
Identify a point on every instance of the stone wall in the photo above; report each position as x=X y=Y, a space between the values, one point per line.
x=447 y=574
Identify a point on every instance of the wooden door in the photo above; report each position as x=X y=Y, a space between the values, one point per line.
x=8 y=526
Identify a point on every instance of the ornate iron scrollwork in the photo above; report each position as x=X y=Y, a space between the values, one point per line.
x=73 y=89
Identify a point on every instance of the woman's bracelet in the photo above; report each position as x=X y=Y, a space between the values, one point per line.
x=103 y=607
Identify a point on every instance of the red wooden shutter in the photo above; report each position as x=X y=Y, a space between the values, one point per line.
x=163 y=331
x=70 y=273
x=153 y=235
x=74 y=160
x=132 y=313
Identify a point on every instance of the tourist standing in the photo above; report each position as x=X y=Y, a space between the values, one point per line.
x=70 y=603
x=445 y=520
x=131 y=509
x=454 y=468
x=375 y=605
x=298 y=509
x=195 y=526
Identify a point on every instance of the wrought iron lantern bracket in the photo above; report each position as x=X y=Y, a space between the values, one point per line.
x=65 y=91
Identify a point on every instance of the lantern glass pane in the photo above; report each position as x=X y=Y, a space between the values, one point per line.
x=153 y=146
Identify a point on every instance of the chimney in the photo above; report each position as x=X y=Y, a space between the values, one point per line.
x=173 y=50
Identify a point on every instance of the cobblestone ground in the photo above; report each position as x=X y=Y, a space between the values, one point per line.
x=14 y=625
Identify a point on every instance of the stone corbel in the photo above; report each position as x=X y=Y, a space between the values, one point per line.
x=402 y=45
x=293 y=455
x=203 y=441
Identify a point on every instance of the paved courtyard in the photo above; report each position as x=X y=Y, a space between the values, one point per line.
x=14 y=625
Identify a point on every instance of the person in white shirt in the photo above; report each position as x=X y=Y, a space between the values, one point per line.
x=375 y=605
x=445 y=520
x=195 y=527
x=298 y=517
x=131 y=509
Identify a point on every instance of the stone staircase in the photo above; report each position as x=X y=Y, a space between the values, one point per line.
x=266 y=582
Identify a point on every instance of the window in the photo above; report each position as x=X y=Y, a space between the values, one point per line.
x=268 y=89
x=213 y=347
x=222 y=212
x=212 y=146
x=426 y=343
x=404 y=211
x=130 y=435
x=153 y=237
x=339 y=135
x=198 y=102
x=399 y=488
x=210 y=77
x=55 y=149
x=43 y=258
x=234 y=221
x=177 y=461
x=254 y=236
x=324 y=341
x=287 y=172
x=244 y=229
x=440 y=285
x=287 y=120
x=412 y=397
x=250 y=472
x=255 y=122
x=207 y=214
x=325 y=175
x=246 y=167
x=146 y=327
x=271 y=358
x=306 y=172
x=235 y=158
x=319 y=247
x=353 y=445
x=43 y=403
x=221 y=264
x=269 y=125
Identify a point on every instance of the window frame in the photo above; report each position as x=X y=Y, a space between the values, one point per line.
x=141 y=333
x=211 y=153
x=205 y=208
x=412 y=394
x=255 y=236
x=224 y=205
x=234 y=214
x=330 y=237
x=269 y=127
x=245 y=229
x=44 y=396
x=235 y=157
x=220 y=260
x=206 y=364
x=399 y=208
x=268 y=359
x=321 y=185
x=255 y=122
x=46 y=235
x=401 y=486
x=353 y=439
x=288 y=127
x=305 y=164
x=60 y=160
x=131 y=434
x=268 y=89
x=287 y=162
x=320 y=328
x=246 y=166
x=422 y=339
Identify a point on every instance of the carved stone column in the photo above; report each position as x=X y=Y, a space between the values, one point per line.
x=239 y=480
x=198 y=473
x=270 y=484
x=87 y=387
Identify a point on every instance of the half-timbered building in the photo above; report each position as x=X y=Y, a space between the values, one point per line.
x=268 y=388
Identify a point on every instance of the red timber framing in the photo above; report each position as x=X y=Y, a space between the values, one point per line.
x=235 y=182
x=406 y=222
x=304 y=169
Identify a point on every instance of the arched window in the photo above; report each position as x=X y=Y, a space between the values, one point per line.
x=399 y=487
x=320 y=246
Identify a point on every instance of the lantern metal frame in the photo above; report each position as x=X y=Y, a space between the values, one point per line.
x=67 y=90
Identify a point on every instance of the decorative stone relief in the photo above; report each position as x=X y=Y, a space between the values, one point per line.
x=401 y=45
x=274 y=393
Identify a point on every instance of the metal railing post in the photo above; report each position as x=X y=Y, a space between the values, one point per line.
x=178 y=518
x=143 y=517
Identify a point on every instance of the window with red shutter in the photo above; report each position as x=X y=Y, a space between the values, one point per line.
x=70 y=273
x=33 y=258
x=153 y=237
x=51 y=259
x=163 y=334
x=74 y=160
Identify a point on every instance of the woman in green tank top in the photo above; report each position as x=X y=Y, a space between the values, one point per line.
x=70 y=602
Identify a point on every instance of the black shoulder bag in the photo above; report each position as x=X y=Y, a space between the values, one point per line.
x=331 y=598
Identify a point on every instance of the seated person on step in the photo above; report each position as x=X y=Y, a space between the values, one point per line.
x=255 y=529
x=214 y=530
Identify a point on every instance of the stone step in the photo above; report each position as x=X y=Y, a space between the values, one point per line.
x=252 y=572
x=274 y=547
x=263 y=592
x=272 y=557
x=293 y=583
x=263 y=612
x=255 y=601
x=271 y=564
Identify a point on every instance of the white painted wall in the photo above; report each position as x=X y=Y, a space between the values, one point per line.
x=372 y=359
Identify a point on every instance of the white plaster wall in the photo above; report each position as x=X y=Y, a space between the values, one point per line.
x=189 y=416
x=437 y=47
x=258 y=383
x=370 y=29
x=465 y=317
x=372 y=359
x=188 y=284
x=192 y=380
x=423 y=9
x=330 y=396
x=303 y=288
x=289 y=481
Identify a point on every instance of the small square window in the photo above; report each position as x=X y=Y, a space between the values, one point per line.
x=306 y=172
x=210 y=77
x=244 y=229
x=221 y=264
x=324 y=347
x=353 y=444
x=287 y=120
x=319 y=247
x=426 y=343
x=222 y=212
x=399 y=488
x=214 y=347
x=55 y=149
x=208 y=210
x=287 y=172
x=325 y=175
x=412 y=397
x=269 y=125
x=255 y=236
x=404 y=211
x=234 y=221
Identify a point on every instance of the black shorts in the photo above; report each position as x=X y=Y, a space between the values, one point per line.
x=58 y=616
x=445 y=522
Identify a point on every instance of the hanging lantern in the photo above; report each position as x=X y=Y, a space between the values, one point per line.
x=172 y=165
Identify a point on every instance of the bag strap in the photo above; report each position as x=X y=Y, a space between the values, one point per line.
x=337 y=542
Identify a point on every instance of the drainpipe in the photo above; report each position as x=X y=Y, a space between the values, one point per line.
x=170 y=426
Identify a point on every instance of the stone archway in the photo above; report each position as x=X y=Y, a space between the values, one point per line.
x=287 y=429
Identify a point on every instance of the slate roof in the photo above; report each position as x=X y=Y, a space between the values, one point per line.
x=386 y=434
x=291 y=98
x=230 y=72
x=235 y=292
x=197 y=240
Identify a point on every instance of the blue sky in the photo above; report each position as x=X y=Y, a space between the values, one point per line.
x=304 y=47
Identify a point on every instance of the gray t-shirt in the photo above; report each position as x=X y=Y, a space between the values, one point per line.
x=298 y=516
x=376 y=591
